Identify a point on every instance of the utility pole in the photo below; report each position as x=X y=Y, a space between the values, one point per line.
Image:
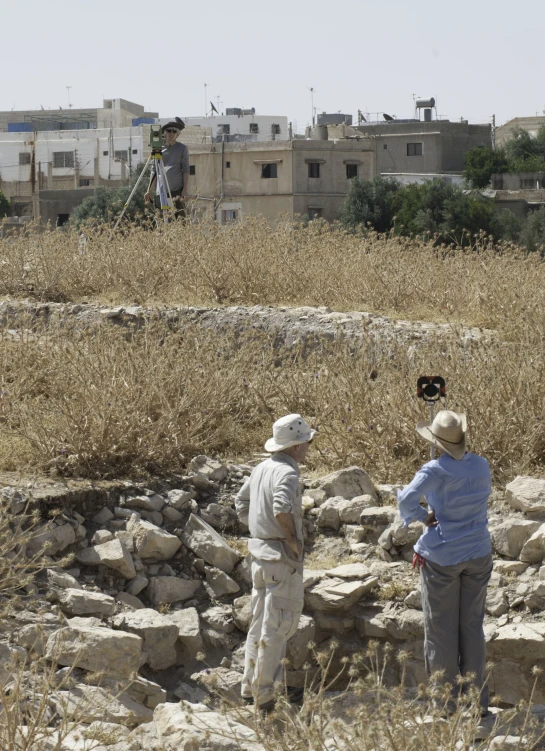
x=205 y=100
x=68 y=89
x=312 y=103
x=493 y=132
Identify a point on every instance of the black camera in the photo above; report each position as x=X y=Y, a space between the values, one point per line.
x=431 y=388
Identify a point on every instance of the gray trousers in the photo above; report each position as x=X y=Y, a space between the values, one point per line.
x=453 y=601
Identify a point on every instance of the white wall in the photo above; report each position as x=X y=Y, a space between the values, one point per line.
x=407 y=178
x=240 y=125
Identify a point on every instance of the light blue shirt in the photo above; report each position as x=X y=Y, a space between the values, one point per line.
x=457 y=491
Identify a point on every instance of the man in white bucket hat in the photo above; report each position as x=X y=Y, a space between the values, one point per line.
x=454 y=553
x=270 y=504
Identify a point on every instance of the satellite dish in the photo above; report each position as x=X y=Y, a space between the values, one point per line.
x=363 y=119
x=213 y=108
x=388 y=118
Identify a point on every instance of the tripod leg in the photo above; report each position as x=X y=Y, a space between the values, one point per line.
x=164 y=191
x=133 y=191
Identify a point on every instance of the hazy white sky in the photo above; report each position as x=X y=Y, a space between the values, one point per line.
x=477 y=57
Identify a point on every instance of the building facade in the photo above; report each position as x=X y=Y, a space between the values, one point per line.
x=505 y=132
x=239 y=125
x=292 y=178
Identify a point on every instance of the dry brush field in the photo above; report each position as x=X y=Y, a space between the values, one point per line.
x=101 y=401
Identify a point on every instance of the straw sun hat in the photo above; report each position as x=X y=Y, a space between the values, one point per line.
x=447 y=432
x=289 y=431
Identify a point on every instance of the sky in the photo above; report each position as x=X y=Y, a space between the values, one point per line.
x=478 y=58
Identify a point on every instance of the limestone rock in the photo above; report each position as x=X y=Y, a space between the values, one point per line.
x=510 y=567
x=508 y=743
x=220 y=618
x=187 y=727
x=404 y=625
x=242 y=612
x=518 y=641
x=533 y=551
x=333 y=593
x=496 y=602
x=151 y=541
x=527 y=494
x=220 y=681
x=112 y=554
x=145 y=502
x=116 y=734
x=81 y=602
x=350 y=571
x=205 y=542
x=103 y=516
x=348 y=483
x=220 y=517
x=509 y=537
x=163 y=590
x=327 y=516
x=62 y=579
x=350 y=510
x=97 y=703
x=414 y=599
x=102 y=535
x=51 y=539
x=205 y=470
x=158 y=633
x=372 y=626
x=180 y=499
x=189 y=629
x=220 y=582
x=377 y=517
x=298 y=649
x=137 y=584
x=508 y=682
x=129 y=601
x=115 y=653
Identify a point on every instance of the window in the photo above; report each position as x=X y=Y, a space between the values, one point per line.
x=314 y=213
x=414 y=149
x=122 y=155
x=62 y=219
x=104 y=153
x=313 y=169
x=229 y=215
x=224 y=130
x=135 y=151
x=63 y=159
x=85 y=182
x=254 y=128
x=227 y=165
x=528 y=184
x=191 y=169
x=269 y=170
x=385 y=146
x=24 y=158
x=275 y=129
x=351 y=171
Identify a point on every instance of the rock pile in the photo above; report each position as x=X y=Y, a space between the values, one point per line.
x=161 y=575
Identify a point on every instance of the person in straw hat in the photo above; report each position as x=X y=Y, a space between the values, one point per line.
x=175 y=157
x=270 y=503
x=454 y=553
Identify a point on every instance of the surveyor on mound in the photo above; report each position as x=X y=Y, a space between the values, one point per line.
x=454 y=553
x=270 y=503
x=175 y=157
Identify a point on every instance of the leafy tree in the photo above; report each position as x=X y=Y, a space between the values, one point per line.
x=4 y=205
x=371 y=202
x=481 y=163
x=533 y=231
x=526 y=153
x=506 y=225
x=105 y=205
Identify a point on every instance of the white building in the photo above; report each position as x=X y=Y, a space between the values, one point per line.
x=246 y=126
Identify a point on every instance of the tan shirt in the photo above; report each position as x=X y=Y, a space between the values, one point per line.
x=272 y=489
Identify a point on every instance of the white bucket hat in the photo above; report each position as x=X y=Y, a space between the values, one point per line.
x=289 y=431
x=447 y=432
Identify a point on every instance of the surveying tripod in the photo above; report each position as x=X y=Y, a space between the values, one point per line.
x=156 y=145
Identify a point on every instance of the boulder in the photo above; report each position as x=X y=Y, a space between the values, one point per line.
x=405 y=624
x=220 y=517
x=414 y=599
x=207 y=468
x=112 y=554
x=517 y=641
x=350 y=509
x=180 y=499
x=151 y=541
x=336 y=624
x=98 y=703
x=509 y=537
x=103 y=516
x=81 y=602
x=102 y=535
x=205 y=542
x=163 y=590
x=158 y=633
x=242 y=612
x=334 y=593
x=298 y=647
x=348 y=483
x=508 y=682
x=509 y=743
x=496 y=602
x=220 y=681
x=62 y=580
x=145 y=502
x=115 y=653
x=129 y=601
x=7 y=663
x=220 y=582
x=187 y=727
x=75 y=740
x=377 y=517
x=189 y=629
x=327 y=515
x=372 y=626
x=220 y=618
x=51 y=539
x=137 y=584
x=510 y=567
x=350 y=571
x=533 y=550
x=527 y=494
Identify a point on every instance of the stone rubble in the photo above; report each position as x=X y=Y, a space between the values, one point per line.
x=160 y=579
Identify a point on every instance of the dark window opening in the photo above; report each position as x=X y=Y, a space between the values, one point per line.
x=269 y=170
x=275 y=129
x=24 y=158
x=122 y=155
x=224 y=130
x=254 y=128
x=414 y=149
x=135 y=151
x=229 y=215
x=104 y=153
x=63 y=159
x=62 y=219
x=385 y=146
x=191 y=169
x=314 y=214
x=227 y=164
x=351 y=171
x=314 y=169
x=85 y=182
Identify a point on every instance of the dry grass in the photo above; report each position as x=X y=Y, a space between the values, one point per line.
x=249 y=263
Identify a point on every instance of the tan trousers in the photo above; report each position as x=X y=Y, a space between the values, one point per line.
x=277 y=603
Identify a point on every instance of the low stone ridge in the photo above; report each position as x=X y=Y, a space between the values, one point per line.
x=153 y=583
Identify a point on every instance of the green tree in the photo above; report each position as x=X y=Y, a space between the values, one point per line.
x=4 y=205
x=526 y=153
x=105 y=205
x=533 y=231
x=371 y=202
x=481 y=163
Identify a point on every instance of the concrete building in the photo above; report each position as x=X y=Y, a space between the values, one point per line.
x=239 y=125
x=505 y=132
x=114 y=113
x=519 y=181
x=435 y=147
x=299 y=177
